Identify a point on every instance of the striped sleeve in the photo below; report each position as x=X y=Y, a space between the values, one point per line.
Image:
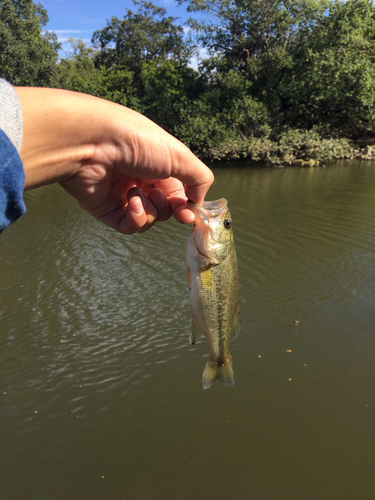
x=12 y=175
x=10 y=114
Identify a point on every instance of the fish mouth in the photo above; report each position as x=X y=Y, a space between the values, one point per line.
x=209 y=209
x=206 y=215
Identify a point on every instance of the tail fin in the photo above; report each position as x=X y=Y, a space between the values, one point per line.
x=214 y=370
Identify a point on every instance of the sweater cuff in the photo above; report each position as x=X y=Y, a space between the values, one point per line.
x=12 y=182
x=11 y=114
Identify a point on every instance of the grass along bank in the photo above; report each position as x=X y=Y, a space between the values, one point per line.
x=291 y=147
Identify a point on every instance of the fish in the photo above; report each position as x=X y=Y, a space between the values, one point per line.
x=212 y=275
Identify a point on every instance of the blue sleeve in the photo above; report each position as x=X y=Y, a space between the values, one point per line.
x=12 y=182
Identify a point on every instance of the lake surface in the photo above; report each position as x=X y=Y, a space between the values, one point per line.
x=100 y=391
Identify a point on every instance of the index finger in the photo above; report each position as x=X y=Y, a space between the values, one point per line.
x=176 y=196
x=196 y=176
x=152 y=153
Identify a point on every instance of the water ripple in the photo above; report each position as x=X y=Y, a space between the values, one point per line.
x=94 y=351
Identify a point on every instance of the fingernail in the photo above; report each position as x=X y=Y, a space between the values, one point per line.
x=136 y=205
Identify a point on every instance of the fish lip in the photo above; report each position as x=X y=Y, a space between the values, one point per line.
x=209 y=209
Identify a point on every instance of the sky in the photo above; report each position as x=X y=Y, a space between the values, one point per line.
x=80 y=18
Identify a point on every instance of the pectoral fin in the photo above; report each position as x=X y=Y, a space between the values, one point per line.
x=236 y=327
x=195 y=332
x=188 y=275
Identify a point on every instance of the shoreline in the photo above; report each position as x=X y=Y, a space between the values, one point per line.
x=292 y=148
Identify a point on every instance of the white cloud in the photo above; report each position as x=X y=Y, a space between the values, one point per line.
x=65 y=39
x=70 y=34
x=64 y=32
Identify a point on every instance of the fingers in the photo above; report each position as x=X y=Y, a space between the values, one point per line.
x=174 y=191
x=140 y=212
x=197 y=190
x=192 y=172
x=143 y=206
x=143 y=211
x=161 y=204
x=184 y=215
x=152 y=153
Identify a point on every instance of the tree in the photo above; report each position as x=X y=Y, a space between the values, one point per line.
x=168 y=88
x=27 y=55
x=311 y=62
x=145 y=35
x=330 y=83
x=223 y=116
x=150 y=49
x=77 y=71
x=255 y=36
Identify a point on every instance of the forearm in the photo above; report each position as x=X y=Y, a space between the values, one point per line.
x=56 y=134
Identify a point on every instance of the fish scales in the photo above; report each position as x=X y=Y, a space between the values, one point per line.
x=213 y=287
x=216 y=306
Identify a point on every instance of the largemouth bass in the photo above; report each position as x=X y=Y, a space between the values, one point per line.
x=213 y=287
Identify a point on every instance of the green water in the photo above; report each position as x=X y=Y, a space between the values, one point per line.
x=97 y=324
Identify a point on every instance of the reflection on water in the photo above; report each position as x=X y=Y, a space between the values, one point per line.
x=96 y=324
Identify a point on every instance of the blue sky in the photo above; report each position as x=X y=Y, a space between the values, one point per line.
x=80 y=18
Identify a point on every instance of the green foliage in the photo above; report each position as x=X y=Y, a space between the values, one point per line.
x=168 y=88
x=163 y=87
x=145 y=35
x=116 y=85
x=257 y=37
x=331 y=81
x=27 y=56
x=224 y=113
x=151 y=50
x=290 y=147
x=311 y=63
x=77 y=70
x=201 y=131
x=284 y=81
x=229 y=96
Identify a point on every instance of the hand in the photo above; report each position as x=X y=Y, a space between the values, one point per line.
x=121 y=167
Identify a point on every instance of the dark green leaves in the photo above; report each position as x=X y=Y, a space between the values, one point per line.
x=27 y=55
x=145 y=35
x=279 y=80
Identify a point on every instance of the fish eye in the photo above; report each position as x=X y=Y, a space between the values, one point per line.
x=227 y=223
